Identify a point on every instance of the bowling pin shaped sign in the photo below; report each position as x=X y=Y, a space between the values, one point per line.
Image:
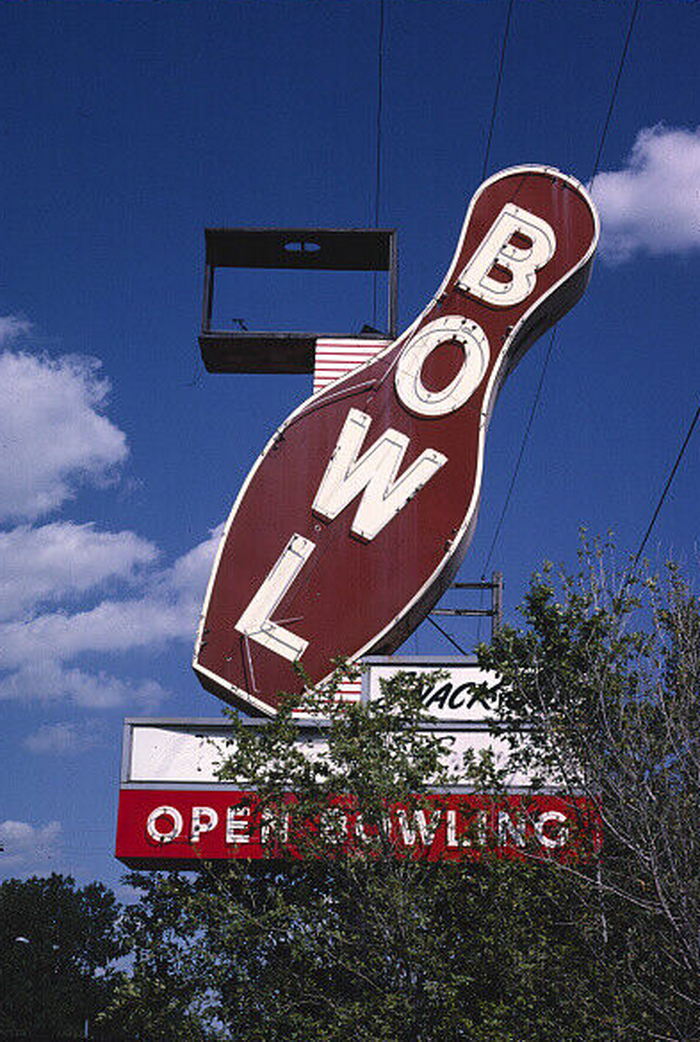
x=359 y=510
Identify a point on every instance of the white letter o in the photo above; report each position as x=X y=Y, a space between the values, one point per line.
x=410 y=388
x=167 y=812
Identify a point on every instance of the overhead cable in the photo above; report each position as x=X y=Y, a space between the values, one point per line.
x=613 y=96
x=484 y=170
x=667 y=486
x=499 y=80
x=445 y=634
x=378 y=141
x=516 y=469
x=599 y=152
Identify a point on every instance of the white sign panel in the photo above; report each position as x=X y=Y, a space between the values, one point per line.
x=171 y=752
x=455 y=697
x=159 y=752
x=186 y=754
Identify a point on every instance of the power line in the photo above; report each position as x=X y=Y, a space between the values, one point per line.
x=616 y=85
x=487 y=153
x=499 y=80
x=378 y=139
x=694 y=421
x=380 y=101
x=667 y=486
x=523 y=443
x=599 y=152
x=484 y=170
x=516 y=469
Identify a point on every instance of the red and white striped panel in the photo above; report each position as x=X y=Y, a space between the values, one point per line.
x=336 y=357
x=348 y=691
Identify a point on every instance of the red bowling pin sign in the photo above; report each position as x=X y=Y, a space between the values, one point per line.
x=360 y=509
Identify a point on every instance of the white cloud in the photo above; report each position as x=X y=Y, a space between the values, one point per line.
x=652 y=204
x=61 y=558
x=11 y=327
x=53 y=435
x=189 y=575
x=112 y=626
x=24 y=844
x=167 y=611
x=45 y=679
x=63 y=739
x=37 y=655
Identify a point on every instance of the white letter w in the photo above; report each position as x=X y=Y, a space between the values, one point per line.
x=373 y=475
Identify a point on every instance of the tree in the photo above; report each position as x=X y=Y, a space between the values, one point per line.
x=607 y=675
x=353 y=941
x=57 y=944
x=365 y=941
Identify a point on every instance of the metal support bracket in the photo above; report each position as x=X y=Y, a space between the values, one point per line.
x=495 y=612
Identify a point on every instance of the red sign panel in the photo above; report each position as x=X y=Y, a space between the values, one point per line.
x=361 y=507
x=181 y=827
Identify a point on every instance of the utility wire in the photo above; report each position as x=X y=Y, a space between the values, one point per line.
x=499 y=80
x=523 y=443
x=599 y=152
x=516 y=469
x=694 y=421
x=613 y=96
x=667 y=486
x=380 y=101
x=484 y=170
x=378 y=139
x=377 y=192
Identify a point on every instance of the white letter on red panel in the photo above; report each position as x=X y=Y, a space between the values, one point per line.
x=520 y=261
x=175 y=824
x=373 y=476
x=204 y=819
x=255 y=622
x=561 y=836
x=448 y=329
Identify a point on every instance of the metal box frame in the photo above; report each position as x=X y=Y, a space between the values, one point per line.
x=311 y=249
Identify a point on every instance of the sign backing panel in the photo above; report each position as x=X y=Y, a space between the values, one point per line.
x=180 y=828
x=360 y=509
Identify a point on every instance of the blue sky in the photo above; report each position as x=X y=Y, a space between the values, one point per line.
x=129 y=127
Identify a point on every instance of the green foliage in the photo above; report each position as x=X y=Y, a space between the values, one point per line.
x=376 y=753
x=166 y=994
x=57 y=942
x=374 y=950
x=606 y=673
x=355 y=942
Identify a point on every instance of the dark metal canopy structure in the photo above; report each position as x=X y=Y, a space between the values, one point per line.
x=311 y=249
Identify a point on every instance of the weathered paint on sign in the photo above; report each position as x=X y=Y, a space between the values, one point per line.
x=360 y=509
x=179 y=828
x=166 y=753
